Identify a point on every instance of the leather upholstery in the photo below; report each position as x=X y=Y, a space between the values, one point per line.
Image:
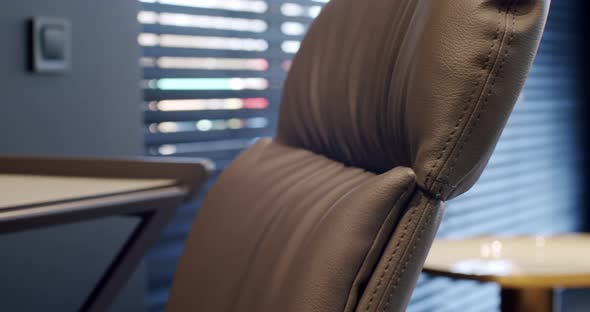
x=298 y=232
x=390 y=107
x=417 y=83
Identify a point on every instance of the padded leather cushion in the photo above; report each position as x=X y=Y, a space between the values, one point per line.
x=299 y=233
x=425 y=84
x=399 y=267
x=328 y=217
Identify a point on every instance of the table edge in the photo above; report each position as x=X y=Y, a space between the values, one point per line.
x=520 y=281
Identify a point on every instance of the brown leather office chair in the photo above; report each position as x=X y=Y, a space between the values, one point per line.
x=391 y=107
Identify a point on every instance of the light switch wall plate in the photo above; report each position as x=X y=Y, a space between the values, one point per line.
x=51 y=41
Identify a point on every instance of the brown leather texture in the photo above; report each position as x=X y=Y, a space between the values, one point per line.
x=390 y=107
x=396 y=274
x=296 y=232
x=422 y=84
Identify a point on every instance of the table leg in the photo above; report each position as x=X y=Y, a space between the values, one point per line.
x=527 y=300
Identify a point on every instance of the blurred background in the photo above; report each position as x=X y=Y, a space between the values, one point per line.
x=208 y=84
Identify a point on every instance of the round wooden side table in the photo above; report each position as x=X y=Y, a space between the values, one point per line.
x=527 y=268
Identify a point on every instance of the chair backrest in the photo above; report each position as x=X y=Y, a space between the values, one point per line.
x=390 y=108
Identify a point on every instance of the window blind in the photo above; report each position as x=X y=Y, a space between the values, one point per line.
x=213 y=71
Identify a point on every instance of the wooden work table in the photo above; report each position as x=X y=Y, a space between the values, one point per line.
x=40 y=192
x=527 y=268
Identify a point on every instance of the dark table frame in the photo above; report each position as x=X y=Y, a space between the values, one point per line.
x=154 y=206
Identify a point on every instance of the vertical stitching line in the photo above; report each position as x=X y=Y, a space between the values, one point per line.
x=399 y=276
x=393 y=253
x=504 y=57
x=469 y=100
x=490 y=91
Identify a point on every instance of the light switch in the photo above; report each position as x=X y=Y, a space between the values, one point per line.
x=51 y=44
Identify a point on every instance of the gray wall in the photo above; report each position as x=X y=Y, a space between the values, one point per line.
x=93 y=110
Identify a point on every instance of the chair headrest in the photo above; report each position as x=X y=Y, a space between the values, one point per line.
x=427 y=84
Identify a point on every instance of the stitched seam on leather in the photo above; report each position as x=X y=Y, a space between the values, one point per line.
x=485 y=102
x=404 y=267
x=389 y=260
x=471 y=97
